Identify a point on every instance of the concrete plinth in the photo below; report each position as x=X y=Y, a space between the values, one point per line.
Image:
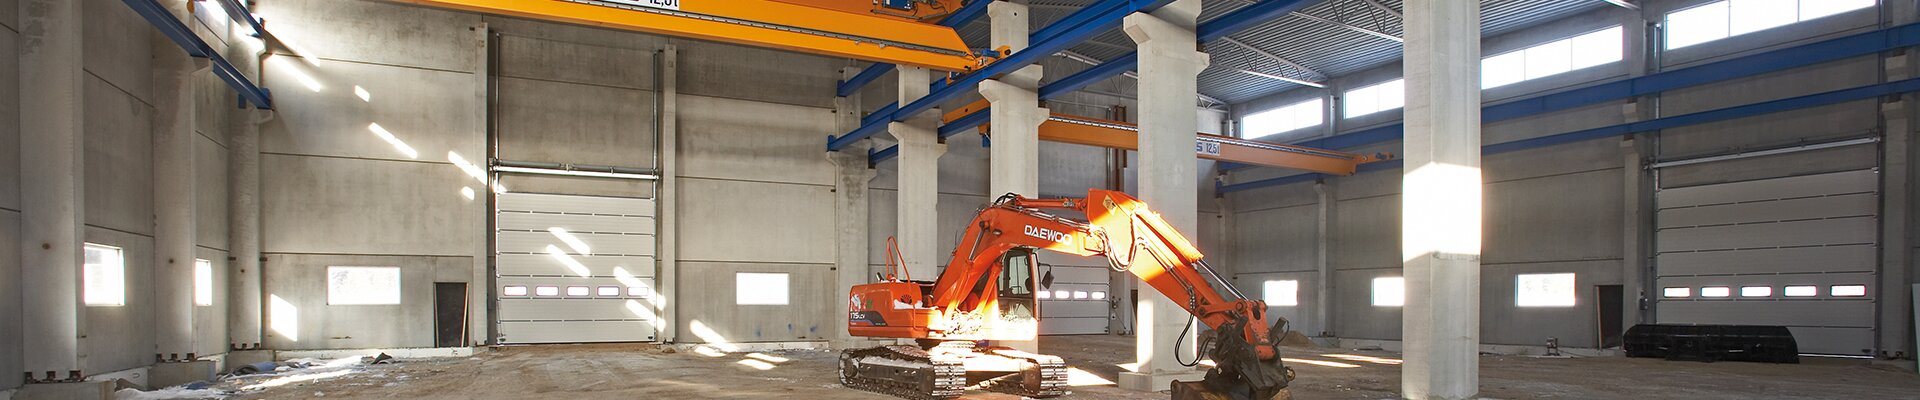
x=1169 y=66
x=84 y=390
x=1156 y=382
x=171 y=374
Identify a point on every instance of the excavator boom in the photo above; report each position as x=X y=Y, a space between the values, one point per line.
x=986 y=293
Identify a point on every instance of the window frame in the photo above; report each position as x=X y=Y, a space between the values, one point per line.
x=114 y=280
x=203 y=294
x=1572 y=292
x=1526 y=63
x=1373 y=93
x=1375 y=292
x=1290 y=286
x=1318 y=106
x=762 y=296
x=1726 y=21
x=342 y=298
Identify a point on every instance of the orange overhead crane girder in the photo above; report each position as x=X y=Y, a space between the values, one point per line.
x=786 y=25
x=1111 y=134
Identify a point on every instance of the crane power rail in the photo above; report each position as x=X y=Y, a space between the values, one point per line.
x=987 y=293
x=892 y=31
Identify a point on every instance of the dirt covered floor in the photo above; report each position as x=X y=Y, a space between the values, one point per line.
x=644 y=371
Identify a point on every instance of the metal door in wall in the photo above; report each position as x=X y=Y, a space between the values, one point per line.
x=1796 y=251
x=574 y=269
x=1077 y=303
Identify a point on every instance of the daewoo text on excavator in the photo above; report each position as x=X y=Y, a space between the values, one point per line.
x=987 y=291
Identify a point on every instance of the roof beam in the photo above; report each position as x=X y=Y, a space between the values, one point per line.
x=1377 y=5
x=1347 y=26
x=1315 y=77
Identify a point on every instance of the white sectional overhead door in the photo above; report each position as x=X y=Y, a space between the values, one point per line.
x=1077 y=303
x=575 y=269
x=1797 y=251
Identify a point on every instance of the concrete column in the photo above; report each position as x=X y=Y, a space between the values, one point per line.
x=1896 y=182
x=919 y=163
x=852 y=179
x=174 y=195
x=1016 y=110
x=1323 y=258
x=1168 y=174
x=52 y=197
x=1441 y=201
x=1637 y=195
x=669 y=282
x=244 y=295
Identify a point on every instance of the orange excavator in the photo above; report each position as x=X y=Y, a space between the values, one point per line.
x=987 y=292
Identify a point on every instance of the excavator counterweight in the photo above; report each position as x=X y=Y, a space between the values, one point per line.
x=987 y=293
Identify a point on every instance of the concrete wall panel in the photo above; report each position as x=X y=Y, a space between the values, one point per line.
x=1503 y=322
x=299 y=317
x=117 y=338
x=747 y=140
x=734 y=221
x=431 y=112
x=1368 y=234
x=214 y=103
x=1561 y=218
x=336 y=205
x=10 y=15
x=119 y=159
x=1355 y=316
x=210 y=188
x=1570 y=158
x=1300 y=317
x=751 y=73
x=1292 y=195
x=1593 y=116
x=602 y=65
x=375 y=32
x=117 y=47
x=1070 y=169
x=555 y=122
x=1275 y=240
x=711 y=315
x=574 y=34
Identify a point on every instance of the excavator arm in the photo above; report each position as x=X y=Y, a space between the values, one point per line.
x=1132 y=238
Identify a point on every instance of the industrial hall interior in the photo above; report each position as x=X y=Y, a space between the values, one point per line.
x=959 y=199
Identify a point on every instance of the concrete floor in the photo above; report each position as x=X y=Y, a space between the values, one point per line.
x=643 y=371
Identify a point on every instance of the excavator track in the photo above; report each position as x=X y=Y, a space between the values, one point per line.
x=1047 y=378
x=903 y=371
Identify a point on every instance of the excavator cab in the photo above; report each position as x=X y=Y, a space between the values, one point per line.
x=1017 y=311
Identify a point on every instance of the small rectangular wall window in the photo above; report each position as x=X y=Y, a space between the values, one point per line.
x=1383 y=96
x=578 y=291
x=1285 y=119
x=1281 y=293
x=546 y=291
x=609 y=291
x=104 y=276
x=363 y=285
x=1389 y=291
x=1677 y=292
x=1722 y=19
x=513 y=291
x=1756 y=291
x=1099 y=295
x=202 y=282
x=1802 y=291
x=1544 y=290
x=1716 y=291
x=1849 y=290
x=1043 y=295
x=760 y=288
x=1553 y=58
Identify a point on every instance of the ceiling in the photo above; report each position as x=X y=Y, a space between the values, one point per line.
x=1329 y=39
